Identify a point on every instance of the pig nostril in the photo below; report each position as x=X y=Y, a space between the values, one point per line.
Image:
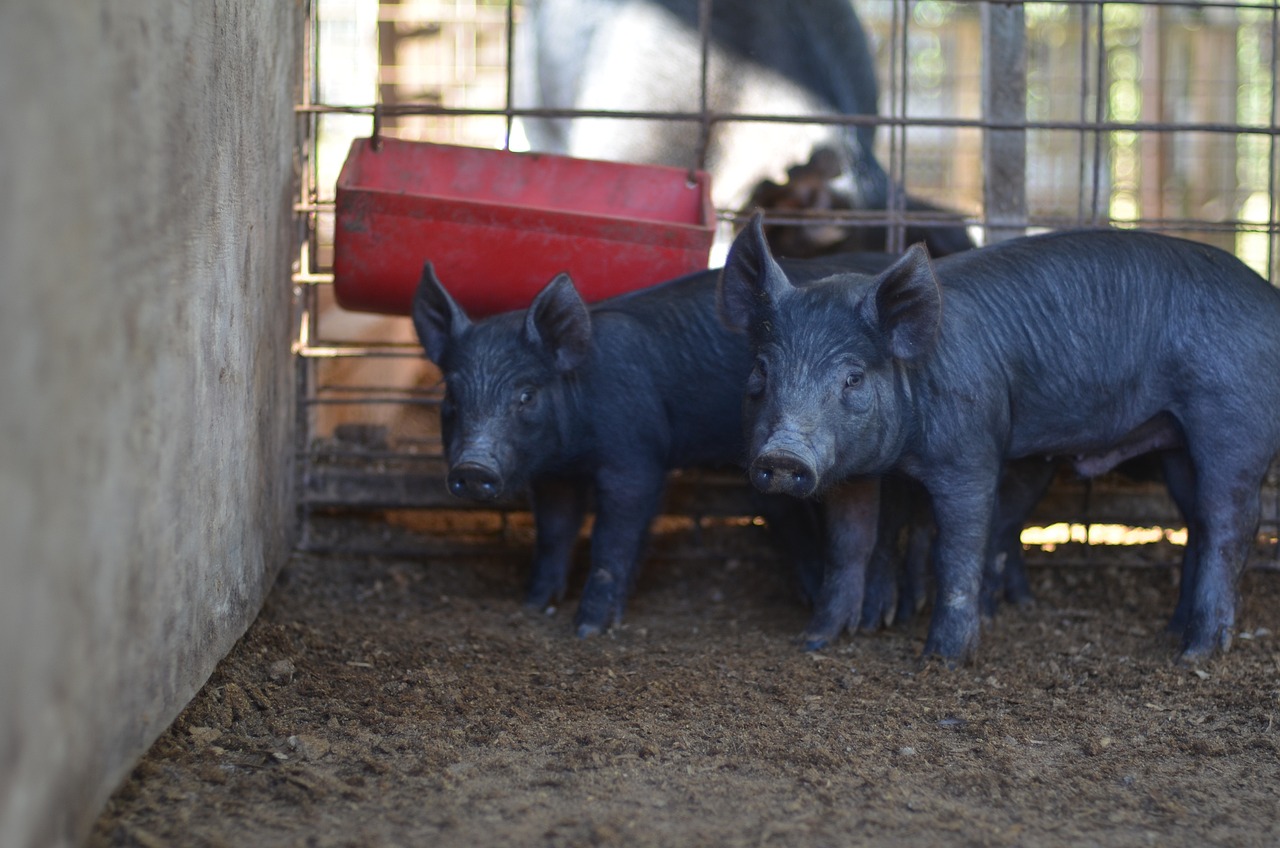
x=783 y=473
x=470 y=480
x=761 y=477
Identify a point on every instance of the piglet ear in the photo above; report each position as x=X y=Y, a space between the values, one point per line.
x=437 y=318
x=751 y=281
x=906 y=305
x=559 y=323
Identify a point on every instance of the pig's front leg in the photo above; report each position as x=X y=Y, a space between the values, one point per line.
x=559 y=507
x=626 y=501
x=962 y=506
x=852 y=512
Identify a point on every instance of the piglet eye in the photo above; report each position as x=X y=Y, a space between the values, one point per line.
x=853 y=380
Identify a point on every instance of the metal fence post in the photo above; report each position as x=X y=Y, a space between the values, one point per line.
x=1004 y=99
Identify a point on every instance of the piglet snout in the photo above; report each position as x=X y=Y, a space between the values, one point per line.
x=783 y=472
x=475 y=481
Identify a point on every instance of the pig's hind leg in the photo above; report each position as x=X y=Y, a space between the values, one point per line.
x=1180 y=479
x=885 y=579
x=1022 y=485
x=1228 y=472
x=851 y=511
x=559 y=507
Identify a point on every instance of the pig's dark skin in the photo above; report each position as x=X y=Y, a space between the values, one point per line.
x=1066 y=344
x=563 y=399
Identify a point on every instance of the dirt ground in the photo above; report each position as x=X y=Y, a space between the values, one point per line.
x=410 y=700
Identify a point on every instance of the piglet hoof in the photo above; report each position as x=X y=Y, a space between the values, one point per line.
x=953 y=637
x=824 y=629
x=906 y=610
x=596 y=616
x=1201 y=643
x=542 y=598
x=878 y=617
x=910 y=604
x=928 y=661
x=809 y=643
x=879 y=608
x=1017 y=593
x=588 y=626
x=1017 y=586
x=990 y=604
x=1020 y=601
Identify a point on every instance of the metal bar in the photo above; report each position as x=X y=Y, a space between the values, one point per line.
x=312 y=351
x=307 y=181
x=370 y=401
x=1274 y=209
x=1186 y=4
x=815 y=118
x=1154 y=150
x=895 y=60
x=388 y=38
x=1099 y=110
x=430 y=391
x=879 y=217
x=1004 y=99
x=895 y=203
x=511 y=37
x=370 y=457
x=1084 y=105
x=704 y=106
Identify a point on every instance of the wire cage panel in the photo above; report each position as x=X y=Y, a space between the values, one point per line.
x=1018 y=117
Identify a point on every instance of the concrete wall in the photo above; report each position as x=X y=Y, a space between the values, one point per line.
x=146 y=408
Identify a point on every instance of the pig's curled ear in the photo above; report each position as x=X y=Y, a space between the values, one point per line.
x=751 y=281
x=906 y=305
x=437 y=318
x=559 y=323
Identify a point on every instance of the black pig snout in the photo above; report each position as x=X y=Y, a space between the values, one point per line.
x=784 y=472
x=474 y=480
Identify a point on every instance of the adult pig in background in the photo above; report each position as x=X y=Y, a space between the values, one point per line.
x=786 y=57
x=1063 y=344
x=563 y=400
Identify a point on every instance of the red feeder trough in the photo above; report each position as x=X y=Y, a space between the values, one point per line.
x=499 y=225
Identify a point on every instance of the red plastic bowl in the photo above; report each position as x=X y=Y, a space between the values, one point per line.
x=499 y=225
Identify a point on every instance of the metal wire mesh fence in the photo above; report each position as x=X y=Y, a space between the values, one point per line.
x=1019 y=116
